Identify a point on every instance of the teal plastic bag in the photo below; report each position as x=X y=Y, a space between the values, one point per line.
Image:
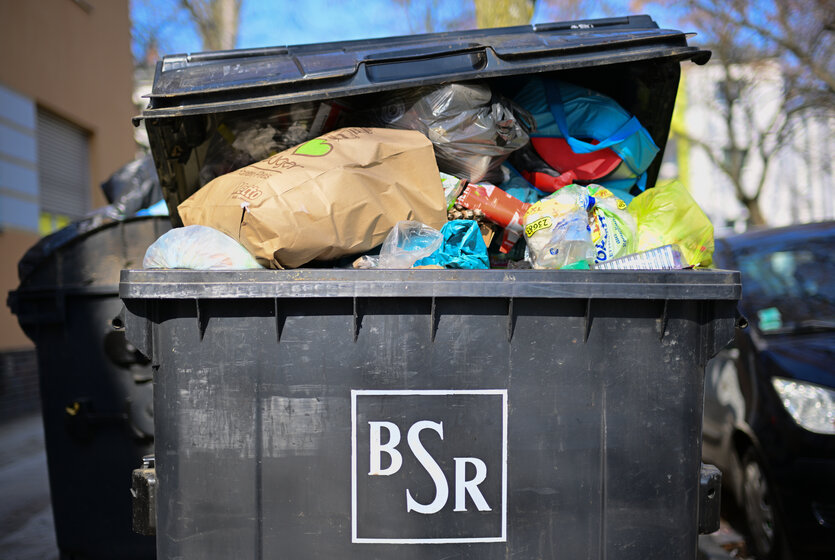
x=563 y=110
x=517 y=186
x=462 y=247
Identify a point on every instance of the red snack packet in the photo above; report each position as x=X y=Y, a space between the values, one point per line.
x=498 y=207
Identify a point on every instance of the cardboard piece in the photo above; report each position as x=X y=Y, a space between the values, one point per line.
x=336 y=195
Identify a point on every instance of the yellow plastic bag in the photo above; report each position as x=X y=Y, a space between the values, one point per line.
x=668 y=214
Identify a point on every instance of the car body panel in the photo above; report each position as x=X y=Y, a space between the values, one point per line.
x=791 y=336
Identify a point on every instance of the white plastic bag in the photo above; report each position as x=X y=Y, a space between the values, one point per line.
x=198 y=248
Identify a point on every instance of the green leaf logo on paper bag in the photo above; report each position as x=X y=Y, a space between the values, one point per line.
x=314 y=148
x=322 y=208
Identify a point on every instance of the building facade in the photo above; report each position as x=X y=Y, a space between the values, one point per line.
x=65 y=122
x=799 y=185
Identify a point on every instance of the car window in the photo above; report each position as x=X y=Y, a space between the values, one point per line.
x=789 y=287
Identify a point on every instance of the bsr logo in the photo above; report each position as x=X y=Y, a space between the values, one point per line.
x=463 y=487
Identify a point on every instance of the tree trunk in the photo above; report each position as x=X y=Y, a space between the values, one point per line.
x=502 y=13
x=227 y=16
x=755 y=215
x=216 y=21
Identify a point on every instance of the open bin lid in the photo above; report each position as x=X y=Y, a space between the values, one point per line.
x=628 y=58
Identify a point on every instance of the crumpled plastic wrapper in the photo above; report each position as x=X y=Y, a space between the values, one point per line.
x=472 y=130
x=558 y=232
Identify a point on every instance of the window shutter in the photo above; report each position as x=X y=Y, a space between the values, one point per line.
x=63 y=166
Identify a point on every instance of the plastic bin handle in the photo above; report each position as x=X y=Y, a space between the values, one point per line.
x=431 y=51
x=710 y=498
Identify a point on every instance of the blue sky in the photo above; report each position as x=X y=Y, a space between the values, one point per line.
x=282 y=22
x=335 y=20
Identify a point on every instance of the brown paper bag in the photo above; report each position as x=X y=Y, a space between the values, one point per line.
x=332 y=196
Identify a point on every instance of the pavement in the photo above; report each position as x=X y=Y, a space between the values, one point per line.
x=27 y=529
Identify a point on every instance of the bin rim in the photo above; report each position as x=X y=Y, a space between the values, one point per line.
x=530 y=284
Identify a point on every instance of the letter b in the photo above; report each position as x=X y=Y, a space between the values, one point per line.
x=377 y=448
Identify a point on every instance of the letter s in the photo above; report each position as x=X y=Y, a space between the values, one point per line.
x=431 y=466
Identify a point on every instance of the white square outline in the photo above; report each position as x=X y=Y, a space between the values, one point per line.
x=355 y=393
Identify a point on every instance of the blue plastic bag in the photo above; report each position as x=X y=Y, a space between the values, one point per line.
x=563 y=110
x=517 y=186
x=158 y=209
x=462 y=247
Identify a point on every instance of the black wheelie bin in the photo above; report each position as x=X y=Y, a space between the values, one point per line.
x=424 y=414
x=96 y=390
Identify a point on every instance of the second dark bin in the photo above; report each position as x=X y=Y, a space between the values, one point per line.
x=96 y=390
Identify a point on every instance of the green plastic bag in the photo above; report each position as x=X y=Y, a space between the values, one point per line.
x=668 y=215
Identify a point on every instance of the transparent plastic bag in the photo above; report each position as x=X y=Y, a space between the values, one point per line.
x=472 y=130
x=198 y=248
x=557 y=230
x=408 y=242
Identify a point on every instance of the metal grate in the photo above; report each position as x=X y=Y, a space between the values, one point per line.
x=63 y=166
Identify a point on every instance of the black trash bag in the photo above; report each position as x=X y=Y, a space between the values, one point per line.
x=130 y=189
x=41 y=250
x=472 y=129
x=133 y=187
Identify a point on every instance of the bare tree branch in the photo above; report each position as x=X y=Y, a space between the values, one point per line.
x=776 y=59
x=789 y=37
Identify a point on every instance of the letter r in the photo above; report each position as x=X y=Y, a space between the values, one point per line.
x=464 y=486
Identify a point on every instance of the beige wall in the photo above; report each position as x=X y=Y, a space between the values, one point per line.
x=78 y=65
x=12 y=246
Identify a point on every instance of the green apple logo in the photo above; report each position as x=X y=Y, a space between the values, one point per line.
x=314 y=148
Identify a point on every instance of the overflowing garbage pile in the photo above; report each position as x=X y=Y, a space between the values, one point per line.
x=548 y=176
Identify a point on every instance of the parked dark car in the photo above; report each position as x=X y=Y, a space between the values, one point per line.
x=769 y=410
